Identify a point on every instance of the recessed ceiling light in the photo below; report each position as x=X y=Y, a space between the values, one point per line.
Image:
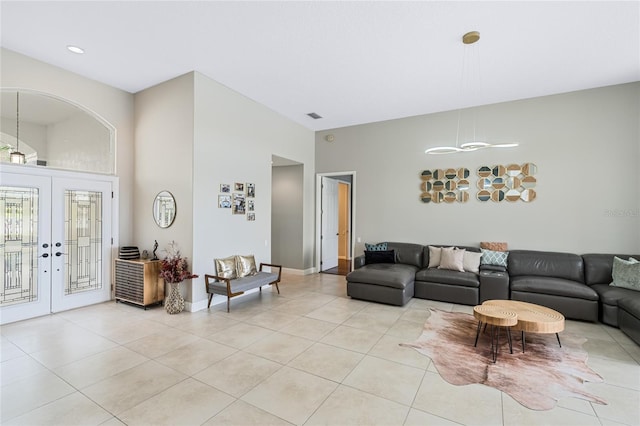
x=75 y=49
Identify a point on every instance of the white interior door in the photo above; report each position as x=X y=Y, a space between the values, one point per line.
x=329 y=232
x=81 y=243
x=55 y=244
x=25 y=264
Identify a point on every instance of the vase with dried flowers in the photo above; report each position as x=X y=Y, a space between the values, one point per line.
x=174 y=270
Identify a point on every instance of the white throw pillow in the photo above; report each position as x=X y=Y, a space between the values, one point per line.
x=471 y=261
x=452 y=259
x=434 y=256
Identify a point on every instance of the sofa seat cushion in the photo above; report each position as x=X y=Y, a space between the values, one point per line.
x=610 y=295
x=553 y=286
x=396 y=275
x=444 y=276
x=631 y=305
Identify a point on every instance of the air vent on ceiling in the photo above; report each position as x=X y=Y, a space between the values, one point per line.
x=314 y=115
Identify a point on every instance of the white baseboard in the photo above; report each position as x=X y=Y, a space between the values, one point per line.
x=299 y=271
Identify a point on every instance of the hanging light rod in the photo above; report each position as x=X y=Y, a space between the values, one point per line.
x=469 y=38
x=16 y=156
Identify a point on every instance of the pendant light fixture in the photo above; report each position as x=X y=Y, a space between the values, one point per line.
x=474 y=145
x=16 y=156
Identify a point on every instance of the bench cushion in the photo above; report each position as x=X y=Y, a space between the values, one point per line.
x=244 y=283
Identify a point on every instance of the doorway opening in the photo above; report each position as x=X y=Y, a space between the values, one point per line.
x=335 y=222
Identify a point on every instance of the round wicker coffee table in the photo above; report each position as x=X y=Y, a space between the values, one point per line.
x=532 y=318
x=497 y=317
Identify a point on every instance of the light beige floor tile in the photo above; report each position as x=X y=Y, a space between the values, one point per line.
x=347 y=406
x=9 y=351
x=290 y=394
x=73 y=409
x=416 y=315
x=158 y=344
x=386 y=379
x=353 y=339
x=187 y=403
x=633 y=350
x=300 y=306
x=113 y=421
x=426 y=304
x=241 y=335
x=241 y=413
x=331 y=313
x=623 y=405
x=617 y=373
x=407 y=330
x=95 y=368
x=327 y=361
x=196 y=356
x=279 y=347
x=309 y=328
x=31 y=392
x=373 y=321
x=482 y=404
x=575 y=404
x=19 y=368
x=388 y=347
x=208 y=323
x=420 y=418
x=589 y=330
x=608 y=350
x=463 y=308
x=272 y=319
x=517 y=415
x=130 y=387
x=128 y=332
x=65 y=346
x=238 y=374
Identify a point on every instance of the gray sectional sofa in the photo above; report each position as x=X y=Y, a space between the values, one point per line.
x=575 y=285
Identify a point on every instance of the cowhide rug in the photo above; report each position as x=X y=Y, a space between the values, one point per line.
x=536 y=378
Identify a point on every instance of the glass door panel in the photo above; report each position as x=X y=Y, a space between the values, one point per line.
x=25 y=264
x=82 y=243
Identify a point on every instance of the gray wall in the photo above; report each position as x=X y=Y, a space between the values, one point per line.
x=286 y=216
x=586 y=147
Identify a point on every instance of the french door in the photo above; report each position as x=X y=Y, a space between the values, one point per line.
x=55 y=243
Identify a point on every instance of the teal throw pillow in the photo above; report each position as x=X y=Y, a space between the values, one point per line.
x=497 y=258
x=626 y=273
x=376 y=247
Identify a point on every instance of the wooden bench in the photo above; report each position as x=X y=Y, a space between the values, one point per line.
x=237 y=286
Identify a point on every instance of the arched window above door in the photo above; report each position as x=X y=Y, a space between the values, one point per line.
x=54 y=132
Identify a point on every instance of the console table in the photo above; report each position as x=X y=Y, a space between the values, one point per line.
x=138 y=282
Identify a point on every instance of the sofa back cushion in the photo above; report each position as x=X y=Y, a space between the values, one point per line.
x=546 y=264
x=425 y=254
x=598 y=267
x=407 y=253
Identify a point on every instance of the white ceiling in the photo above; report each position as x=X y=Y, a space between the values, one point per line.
x=351 y=62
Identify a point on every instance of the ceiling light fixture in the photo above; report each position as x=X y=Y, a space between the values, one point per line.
x=16 y=156
x=75 y=49
x=474 y=145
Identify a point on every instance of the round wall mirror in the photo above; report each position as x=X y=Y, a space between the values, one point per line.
x=164 y=209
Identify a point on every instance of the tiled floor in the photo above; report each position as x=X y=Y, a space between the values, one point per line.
x=308 y=356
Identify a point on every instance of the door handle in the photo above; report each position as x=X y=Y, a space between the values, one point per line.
x=45 y=255
x=45 y=245
x=58 y=254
